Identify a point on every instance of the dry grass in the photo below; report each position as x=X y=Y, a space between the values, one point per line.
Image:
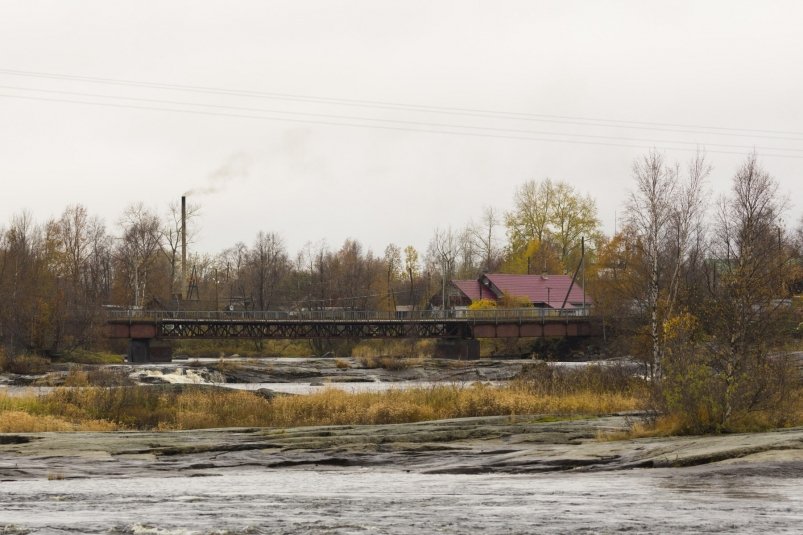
x=96 y=376
x=333 y=407
x=541 y=378
x=193 y=408
x=80 y=356
x=410 y=348
x=342 y=364
x=241 y=347
x=389 y=363
x=23 y=422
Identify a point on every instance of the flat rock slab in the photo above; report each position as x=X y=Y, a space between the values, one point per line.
x=460 y=446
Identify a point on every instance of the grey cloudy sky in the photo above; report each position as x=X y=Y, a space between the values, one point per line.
x=369 y=119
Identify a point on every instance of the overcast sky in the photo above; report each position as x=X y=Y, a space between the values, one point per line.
x=380 y=120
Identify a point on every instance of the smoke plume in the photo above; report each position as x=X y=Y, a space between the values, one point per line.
x=236 y=166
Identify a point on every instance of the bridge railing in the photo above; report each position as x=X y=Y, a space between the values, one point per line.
x=506 y=314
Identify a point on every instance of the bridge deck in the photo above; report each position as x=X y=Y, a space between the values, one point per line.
x=350 y=324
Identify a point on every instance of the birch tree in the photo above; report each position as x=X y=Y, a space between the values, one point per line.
x=649 y=212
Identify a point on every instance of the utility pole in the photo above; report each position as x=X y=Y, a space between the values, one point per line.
x=583 y=264
x=443 y=288
x=183 y=241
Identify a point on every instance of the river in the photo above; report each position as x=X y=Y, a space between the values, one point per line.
x=344 y=501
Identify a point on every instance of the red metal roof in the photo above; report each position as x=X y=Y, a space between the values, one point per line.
x=536 y=288
x=473 y=290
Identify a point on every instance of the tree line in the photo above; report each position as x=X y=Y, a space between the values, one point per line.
x=57 y=276
x=677 y=253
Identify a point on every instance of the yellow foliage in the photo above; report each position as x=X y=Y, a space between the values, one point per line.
x=514 y=301
x=482 y=304
x=542 y=257
x=684 y=326
x=22 y=422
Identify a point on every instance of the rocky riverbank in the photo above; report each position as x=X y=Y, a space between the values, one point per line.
x=509 y=445
x=284 y=370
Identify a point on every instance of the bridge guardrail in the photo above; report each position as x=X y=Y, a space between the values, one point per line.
x=350 y=315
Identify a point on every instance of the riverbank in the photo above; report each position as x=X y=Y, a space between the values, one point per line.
x=519 y=474
x=511 y=445
x=276 y=370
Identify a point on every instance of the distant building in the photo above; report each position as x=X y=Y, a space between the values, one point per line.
x=542 y=291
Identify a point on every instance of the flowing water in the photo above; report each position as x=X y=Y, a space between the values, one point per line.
x=262 y=500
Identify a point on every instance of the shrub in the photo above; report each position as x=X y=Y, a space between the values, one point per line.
x=482 y=304
x=24 y=364
x=597 y=378
x=706 y=386
x=97 y=376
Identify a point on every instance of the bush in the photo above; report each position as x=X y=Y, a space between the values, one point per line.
x=97 y=376
x=709 y=387
x=597 y=378
x=482 y=304
x=24 y=364
x=388 y=363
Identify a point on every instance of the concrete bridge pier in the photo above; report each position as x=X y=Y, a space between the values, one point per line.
x=144 y=350
x=457 y=348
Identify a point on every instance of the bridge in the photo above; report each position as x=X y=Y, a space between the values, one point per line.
x=457 y=330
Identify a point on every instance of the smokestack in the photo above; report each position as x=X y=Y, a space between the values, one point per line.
x=183 y=242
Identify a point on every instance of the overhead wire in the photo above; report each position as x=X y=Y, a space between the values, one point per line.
x=330 y=119
x=390 y=128
x=387 y=121
x=332 y=123
x=565 y=119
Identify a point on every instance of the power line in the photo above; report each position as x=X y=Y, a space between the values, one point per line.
x=381 y=127
x=391 y=121
x=562 y=119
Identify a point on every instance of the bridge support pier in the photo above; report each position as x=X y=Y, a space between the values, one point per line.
x=144 y=350
x=457 y=349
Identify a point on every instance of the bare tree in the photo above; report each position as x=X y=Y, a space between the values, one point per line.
x=484 y=239
x=269 y=265
x=172 y=239
x=83 y=268
x=138 y=247
x=686 y=231
x=649 y=211
x=21 y=283
x=232 y=264
x=752 y=277
x=352 y=272
x=411 y=267
x=442 y=252
x=393 y=266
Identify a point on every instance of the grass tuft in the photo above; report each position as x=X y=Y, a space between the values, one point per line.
x=144 y=407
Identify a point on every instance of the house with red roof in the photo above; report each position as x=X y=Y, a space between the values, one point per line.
x=543 y=291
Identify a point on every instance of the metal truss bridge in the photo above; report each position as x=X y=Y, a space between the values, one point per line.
x=455 y=324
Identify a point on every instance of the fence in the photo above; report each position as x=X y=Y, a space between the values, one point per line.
x=506 y=314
